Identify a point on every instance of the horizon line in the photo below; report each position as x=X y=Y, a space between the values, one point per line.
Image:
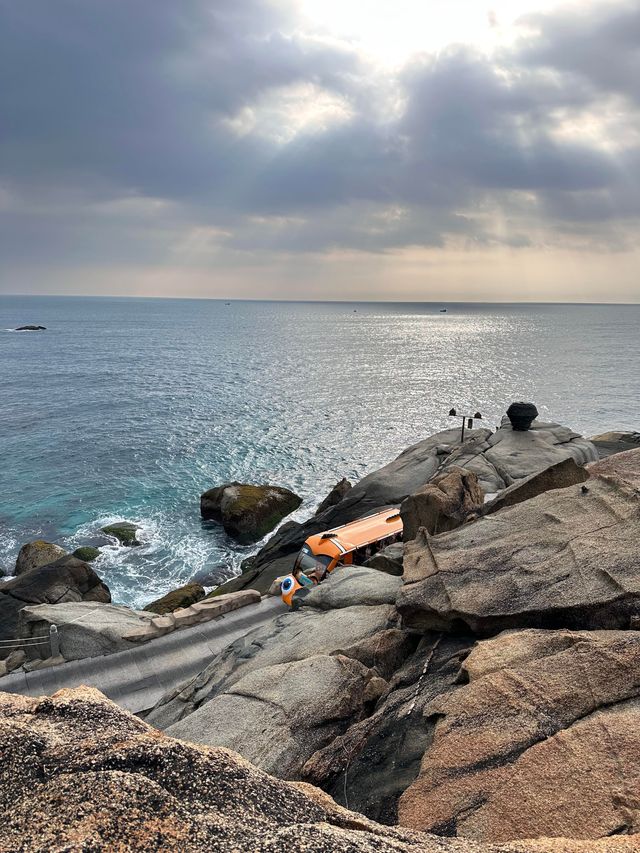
x=442 y=302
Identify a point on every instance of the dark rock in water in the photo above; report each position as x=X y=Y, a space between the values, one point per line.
x=124 y=532
x=247 y=512
x=181 y=597
x=558 y=476
x=567 y=558
x=443 y=504
x=31 y=329
x=336 y=494
x=67 y=579
x=36 y=554
x=376 y=760
x=212 y=576
x=522 y=415
x=79 y=773
x=542 y=741
x=87 y=553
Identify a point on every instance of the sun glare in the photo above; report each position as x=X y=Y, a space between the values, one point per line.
x=392 y=30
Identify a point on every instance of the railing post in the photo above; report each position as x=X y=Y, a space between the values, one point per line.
x=54 y=640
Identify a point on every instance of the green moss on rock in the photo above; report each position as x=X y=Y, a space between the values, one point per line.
x=124 y=532
x=86 y=553
x=248 y=512
x=181 y=597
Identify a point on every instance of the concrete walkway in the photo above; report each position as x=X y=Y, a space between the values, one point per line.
x=137 y=678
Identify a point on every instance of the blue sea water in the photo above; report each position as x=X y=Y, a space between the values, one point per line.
x=130 y=408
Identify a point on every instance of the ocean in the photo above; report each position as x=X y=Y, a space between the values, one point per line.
x=130 y=408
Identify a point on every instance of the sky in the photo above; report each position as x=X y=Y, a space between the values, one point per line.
x=321 y=149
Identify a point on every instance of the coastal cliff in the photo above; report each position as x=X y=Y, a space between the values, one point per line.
x=469 y=690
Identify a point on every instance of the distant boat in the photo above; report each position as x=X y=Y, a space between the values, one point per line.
x=443 y=310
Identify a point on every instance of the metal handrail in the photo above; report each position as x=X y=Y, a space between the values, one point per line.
x=52 y=639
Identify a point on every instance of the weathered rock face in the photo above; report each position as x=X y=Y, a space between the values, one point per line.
x=509 y=455
x=387 y=486
x=246 y=512
x=374 y=762
x=183 y=596
x=124 y=532
x=277 y=716
x=567 y=558
x=351 y=586
x=85 y=629
x=444 y=504
x=67 y=579
x=78 y=773
x=291 y=637
x=543 y=741
x=337 y=493
x=36 y=554
x=388 y=560
x=558 y=476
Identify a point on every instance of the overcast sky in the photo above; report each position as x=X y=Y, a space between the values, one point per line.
x=321 y=149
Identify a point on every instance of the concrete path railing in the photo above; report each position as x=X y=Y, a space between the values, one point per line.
x=138 y=677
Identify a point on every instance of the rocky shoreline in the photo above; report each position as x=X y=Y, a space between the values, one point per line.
x=470 y=690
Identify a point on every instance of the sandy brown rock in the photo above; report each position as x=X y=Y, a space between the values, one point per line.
x=566 y=558
x=79 y=774
x=558 y=476
x=543 y=741
x=443 y=504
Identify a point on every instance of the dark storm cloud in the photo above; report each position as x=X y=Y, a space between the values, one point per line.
x=105 y=99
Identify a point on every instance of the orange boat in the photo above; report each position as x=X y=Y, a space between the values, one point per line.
x=349 y=544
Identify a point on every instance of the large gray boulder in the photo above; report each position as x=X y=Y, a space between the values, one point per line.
x=290 y=637
x=67 y=579
x=36 y=554
x=567 y=558
x=387 y=486
x=85 y=629
x=248 y=512
x=278 y=716
x=351 y=586
x=509 y=455
x=543 y=741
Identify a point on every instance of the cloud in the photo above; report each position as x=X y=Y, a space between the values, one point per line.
x=138 y=132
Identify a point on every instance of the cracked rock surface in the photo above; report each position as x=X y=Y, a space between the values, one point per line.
x=566 y=558
x=542 y=741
